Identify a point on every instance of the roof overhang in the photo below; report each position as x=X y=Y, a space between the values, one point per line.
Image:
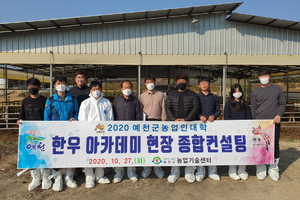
x=264 y=21
x=121 y=17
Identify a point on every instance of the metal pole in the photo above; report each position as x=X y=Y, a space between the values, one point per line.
x=189 y=74
x=287 y=84
x=169 y=78
x=73 y=81
x=139 y=77
x=249 y=89
x=32 y=71
x=244 y=89
x=201 y=72
x=106 y=80
x=6 y=83
x=51 y=74
x=224 y=80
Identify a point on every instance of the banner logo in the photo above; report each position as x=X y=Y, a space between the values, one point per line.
x=157 y=160
x=99 y=128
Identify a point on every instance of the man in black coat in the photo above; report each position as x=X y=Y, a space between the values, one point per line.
x=182 y=105
x=210 y=110
x=126 y=108
x=80 y=91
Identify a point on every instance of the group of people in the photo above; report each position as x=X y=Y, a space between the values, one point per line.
x=88 y=104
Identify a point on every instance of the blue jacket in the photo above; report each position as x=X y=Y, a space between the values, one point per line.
x=56 y=110
x=210 y=105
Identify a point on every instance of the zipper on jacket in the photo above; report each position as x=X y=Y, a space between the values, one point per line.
x=125 y=107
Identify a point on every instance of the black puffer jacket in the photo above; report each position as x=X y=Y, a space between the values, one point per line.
x=191 y=105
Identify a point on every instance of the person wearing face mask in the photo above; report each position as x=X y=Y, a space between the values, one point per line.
x=182 y=105
x=268 y=102
x=237 y=109
x=210 y=110
x=126 y=108
x=80 y=91
x=61 y=106
x=153 y=105
x=95 y=108
x=33 y=109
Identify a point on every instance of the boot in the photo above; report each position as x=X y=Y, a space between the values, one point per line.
x=46 y=183
x=261 y=171
x=119 y=174
x=69 y=178
x=274 y=170
x=35 y=174
x=242 y=172
x=159 y=172
x=57 y=185
x=200 y=175
x=212 y=173
x=146 y=172
x=89 y=177
x=232 y=172
x=99 y=173
x=189 y=174
x=131 y=174
x=175 y=173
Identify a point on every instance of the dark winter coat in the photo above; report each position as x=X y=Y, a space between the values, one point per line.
x=191 y=105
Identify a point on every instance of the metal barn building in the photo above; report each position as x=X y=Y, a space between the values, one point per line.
x=201 y=40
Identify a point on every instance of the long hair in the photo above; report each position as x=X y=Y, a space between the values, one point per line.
x=236 y=105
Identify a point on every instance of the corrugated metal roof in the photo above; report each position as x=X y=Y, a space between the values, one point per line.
x=122 y=17
x=265 y=21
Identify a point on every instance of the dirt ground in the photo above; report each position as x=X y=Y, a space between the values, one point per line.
x=14 y=187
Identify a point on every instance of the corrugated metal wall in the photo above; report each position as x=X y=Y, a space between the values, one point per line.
x=172 y=36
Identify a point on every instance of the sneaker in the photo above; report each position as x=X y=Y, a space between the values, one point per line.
x=234 y=177
x=132 y=176
x=215 y=177
x=174 y=176
x=104 y=180
x=274 y=174
x=244 y=176
x=190 y=177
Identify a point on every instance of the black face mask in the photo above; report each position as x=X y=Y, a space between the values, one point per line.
x=33 y=91
x=181 y=86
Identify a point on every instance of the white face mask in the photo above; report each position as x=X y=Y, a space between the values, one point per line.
x=237 y=95
x=96 y=93
x=61 y=88
x=126 y=92
x=264 y=81
x=150 y=86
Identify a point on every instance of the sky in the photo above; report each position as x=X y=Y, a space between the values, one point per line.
x=34 y=10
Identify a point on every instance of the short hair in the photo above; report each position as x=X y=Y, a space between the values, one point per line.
x=203 y=78
x=126 y=81
x=33 y=81
x=263 y=71
x=80 y=72
x=149 y=77
x=95 y=83
x=60 y=79
x=182 y=76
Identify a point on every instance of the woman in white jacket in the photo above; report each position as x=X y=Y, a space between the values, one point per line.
x=95 y=108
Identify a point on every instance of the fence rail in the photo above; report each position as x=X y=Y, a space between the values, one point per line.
x=9 y=115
